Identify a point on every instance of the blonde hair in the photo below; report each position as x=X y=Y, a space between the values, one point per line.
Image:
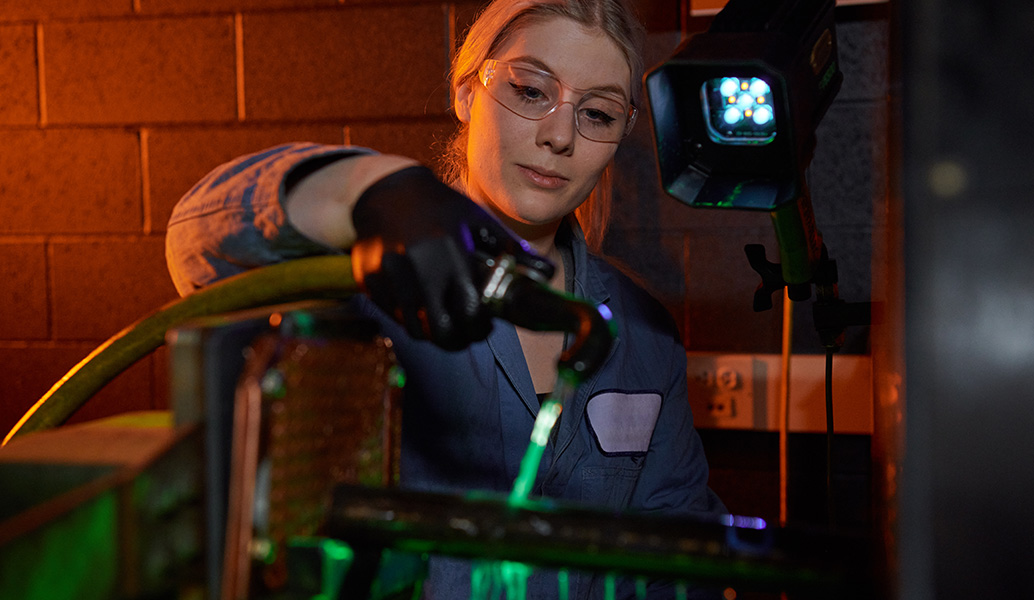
x=493 y=27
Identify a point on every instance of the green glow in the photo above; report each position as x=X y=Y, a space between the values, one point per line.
x=336 y=551
x=305 y=323
x=730 y=200
x=547 y=417
x=74 y=556
x=335 y=558
x=481 y=581
x=264 y=550
x=609 y=586
x=397 y=377
x=563 y=584
x=490 y=579
x=401 y=575
x=681 y=591
x=828 y=75
x=563 y=391
x=496 y=579
x=515 y=579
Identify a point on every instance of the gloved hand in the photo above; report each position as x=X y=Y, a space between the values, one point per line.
x=421 y=252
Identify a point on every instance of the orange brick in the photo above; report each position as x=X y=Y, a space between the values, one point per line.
x=180 y=157
x=23 y=295
x=141 y=70
x=656 y=15
x=100 y=286
x=362 y=61
x=422 y=140
x=56 y=9
x=201 y=6
x=386 y=2
x=19 y=102
x=29 y=373
x=70 y=181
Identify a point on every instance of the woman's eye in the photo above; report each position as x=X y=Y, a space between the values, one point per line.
x=598 y=117
x=527 y=92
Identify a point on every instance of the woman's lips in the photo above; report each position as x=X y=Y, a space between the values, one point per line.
x=543 y=177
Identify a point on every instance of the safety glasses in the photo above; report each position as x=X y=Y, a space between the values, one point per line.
x=533 y=94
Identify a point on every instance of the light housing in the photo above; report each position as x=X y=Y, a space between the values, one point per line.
x=711 y=156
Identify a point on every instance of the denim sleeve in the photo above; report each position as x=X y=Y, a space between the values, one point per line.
x=234 y=219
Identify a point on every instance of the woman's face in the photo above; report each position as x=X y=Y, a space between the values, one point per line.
x=531 y=173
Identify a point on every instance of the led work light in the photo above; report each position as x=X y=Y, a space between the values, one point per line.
x=735 y=108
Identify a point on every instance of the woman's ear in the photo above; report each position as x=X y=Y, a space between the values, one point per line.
x=463 y=97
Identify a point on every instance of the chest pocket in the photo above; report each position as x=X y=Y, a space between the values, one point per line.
x=622 y=425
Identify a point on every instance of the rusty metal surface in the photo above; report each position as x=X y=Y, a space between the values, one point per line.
x=317 y=406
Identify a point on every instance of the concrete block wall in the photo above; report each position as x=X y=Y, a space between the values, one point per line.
x=111 y=109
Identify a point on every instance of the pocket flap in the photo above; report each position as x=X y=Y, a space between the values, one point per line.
x=623 y=422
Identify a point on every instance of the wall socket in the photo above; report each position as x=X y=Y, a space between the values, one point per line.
x=721 y=389
x=741 y=391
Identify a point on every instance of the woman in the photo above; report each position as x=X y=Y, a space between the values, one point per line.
x=544 y=91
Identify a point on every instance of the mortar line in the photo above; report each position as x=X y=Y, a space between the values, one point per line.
x=48 y=282
x=451 y=35
x=145 y=180
x=238 y=41
x=450 y=30
x=41 y=80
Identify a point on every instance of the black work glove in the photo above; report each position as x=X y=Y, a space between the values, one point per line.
x=421 y=256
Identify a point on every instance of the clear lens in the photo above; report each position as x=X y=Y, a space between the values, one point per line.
x=533 y=94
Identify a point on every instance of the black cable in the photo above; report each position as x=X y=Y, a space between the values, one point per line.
x=829 y=438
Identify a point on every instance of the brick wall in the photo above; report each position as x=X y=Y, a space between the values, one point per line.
x=111 y=109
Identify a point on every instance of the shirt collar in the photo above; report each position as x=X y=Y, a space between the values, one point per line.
x=570 y=239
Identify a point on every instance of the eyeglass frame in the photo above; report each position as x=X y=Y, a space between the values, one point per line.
x=487 y=70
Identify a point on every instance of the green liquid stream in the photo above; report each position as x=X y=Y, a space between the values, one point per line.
x=507 y=579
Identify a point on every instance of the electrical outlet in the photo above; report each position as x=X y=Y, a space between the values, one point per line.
x=721 y=390
x=721 y=407
x=741 y=391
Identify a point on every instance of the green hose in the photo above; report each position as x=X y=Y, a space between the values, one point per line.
x=323 y=277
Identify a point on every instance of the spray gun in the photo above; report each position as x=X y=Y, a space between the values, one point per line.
x=525 y=301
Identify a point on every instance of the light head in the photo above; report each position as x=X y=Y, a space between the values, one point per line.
x=735 y=108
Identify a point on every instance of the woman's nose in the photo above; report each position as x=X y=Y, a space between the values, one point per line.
x=559 y=129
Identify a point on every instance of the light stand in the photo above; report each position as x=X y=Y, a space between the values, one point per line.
x=734 y=115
